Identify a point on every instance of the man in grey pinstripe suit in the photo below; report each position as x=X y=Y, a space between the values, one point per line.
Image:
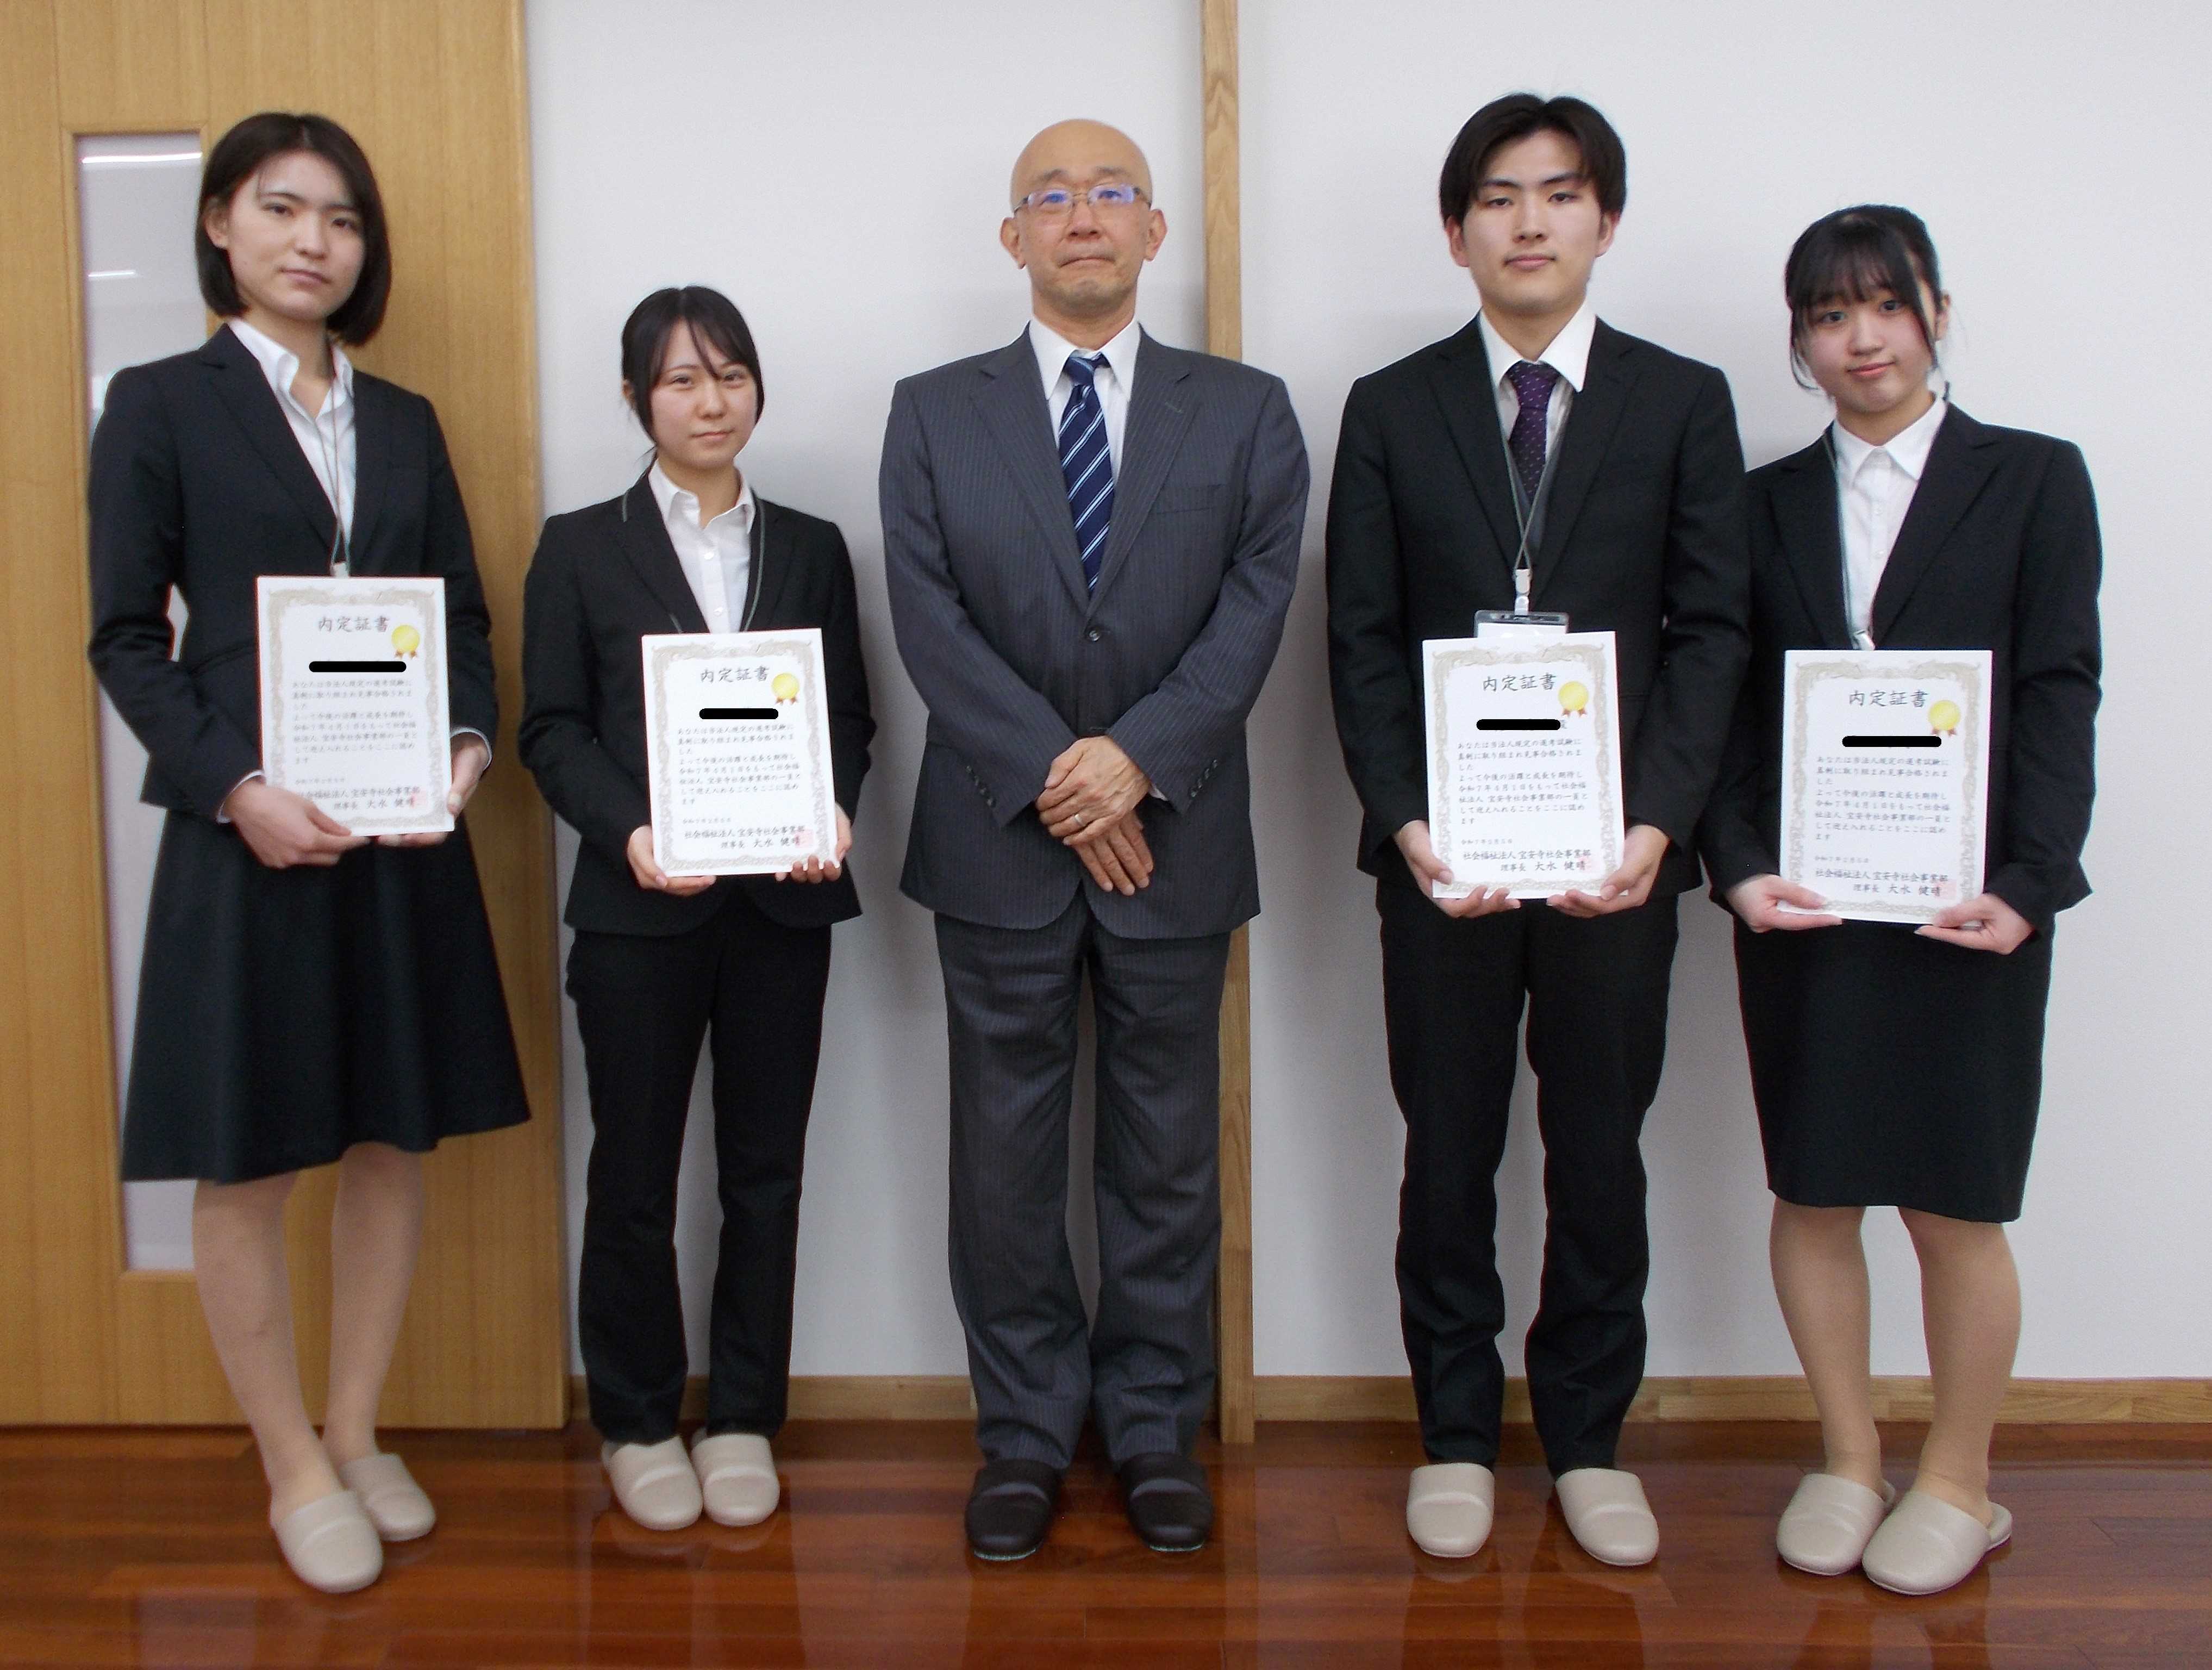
x=1092 y=540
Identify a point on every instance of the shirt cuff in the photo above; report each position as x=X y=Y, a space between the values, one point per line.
x=470 y=730
x=250 y=776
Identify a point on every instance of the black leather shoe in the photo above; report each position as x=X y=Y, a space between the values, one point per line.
x=1168 y=1505
x=1010 y=1508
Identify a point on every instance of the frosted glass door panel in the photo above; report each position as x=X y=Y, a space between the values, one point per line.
x=137 y=196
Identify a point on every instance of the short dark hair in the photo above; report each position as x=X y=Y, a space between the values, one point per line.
x=715 y=323
x=1855 y=253
x=242 y=153
x=1506 y=121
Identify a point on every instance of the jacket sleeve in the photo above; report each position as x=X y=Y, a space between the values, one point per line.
x=1728 y=839
x=1379 y=723
x=450 y=554
x=559 y=738
x=852 y=721
x=137 y=542
x=1008 y=734
x=2057 y=661
x=1178 y=730
x=1705 y=642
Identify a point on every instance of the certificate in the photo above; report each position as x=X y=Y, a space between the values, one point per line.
x=737 y=748
x=1885 y=778
x=1524 y=762
x=354 y=710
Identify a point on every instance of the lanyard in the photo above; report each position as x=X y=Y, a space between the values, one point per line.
x=1859 y=640
x=332 y=447
x=1525 y=514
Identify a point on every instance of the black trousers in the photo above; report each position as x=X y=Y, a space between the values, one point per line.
x=1596 y=996
x=1144 y=1368
x=644 y=1003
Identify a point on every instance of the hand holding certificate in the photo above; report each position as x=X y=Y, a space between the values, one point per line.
x=1524 y=763
x=736 y=743
x=1885 y=778
x=353 y=712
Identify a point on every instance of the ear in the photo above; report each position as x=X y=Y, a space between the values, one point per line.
x=1943 y=320
x=1456 y=240
x=1606 y=226
x=1156 y=232
x=216 y=221
x=1010 y=238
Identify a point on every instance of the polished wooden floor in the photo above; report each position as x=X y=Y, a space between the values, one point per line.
x=150 y=1549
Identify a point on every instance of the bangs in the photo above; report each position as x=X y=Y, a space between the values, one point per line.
x=1849 y=257
x=716 y=332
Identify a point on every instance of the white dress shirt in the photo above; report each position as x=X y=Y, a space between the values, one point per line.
x=1568 y=355
x=1114 y=379
x=327 y=438
x=1874 y=488
x=717 y=559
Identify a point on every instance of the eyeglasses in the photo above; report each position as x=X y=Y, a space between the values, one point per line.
x=1057 y=201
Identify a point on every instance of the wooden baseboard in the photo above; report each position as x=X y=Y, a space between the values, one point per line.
x=1753 y=1398
x=1390 y=1398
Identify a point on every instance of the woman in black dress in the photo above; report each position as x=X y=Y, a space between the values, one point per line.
x=308 y=996
x=662 y=963
x=1898 y=1067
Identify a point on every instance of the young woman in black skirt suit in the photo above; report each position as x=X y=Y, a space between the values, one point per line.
x=308 y=996
x=661 y=963
x=1897 y=1067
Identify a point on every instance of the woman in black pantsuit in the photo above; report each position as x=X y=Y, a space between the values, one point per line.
x=1897 y=1068
x=307 y=997
x=660 y=963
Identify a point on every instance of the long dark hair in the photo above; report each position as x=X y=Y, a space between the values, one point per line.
x=715 y=323
x=242 y=153
x=1855 y=253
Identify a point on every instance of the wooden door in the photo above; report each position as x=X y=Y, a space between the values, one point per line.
x=435 y=91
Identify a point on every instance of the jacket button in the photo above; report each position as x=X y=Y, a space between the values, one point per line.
x=1094 y=635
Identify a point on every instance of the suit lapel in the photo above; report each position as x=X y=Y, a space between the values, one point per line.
x=1466 y=393
x=1587 y=432
x=1160 y=409
x=1804 y=498
x=1959 y=465
x=245 y=391
x=771 y=572
x=644 y=540
x=1010 y=398
x=372 y=420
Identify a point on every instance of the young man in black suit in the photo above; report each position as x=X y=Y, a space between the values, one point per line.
x=1616 y=465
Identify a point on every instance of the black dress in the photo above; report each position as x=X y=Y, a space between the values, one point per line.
x=1890 y=1069
x=283 y=1016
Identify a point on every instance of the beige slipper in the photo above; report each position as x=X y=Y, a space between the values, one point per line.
x=1926 y=1545
x=737 y=1478
x=1606 y=1510
x=653 y=1482
x=393 y=1501
x=1449 y=1506
x=1825 y=1528
x=330 y=1545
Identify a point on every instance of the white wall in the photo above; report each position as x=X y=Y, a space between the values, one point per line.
x=2053 y=150
x=2048 y=149
x=839 y=170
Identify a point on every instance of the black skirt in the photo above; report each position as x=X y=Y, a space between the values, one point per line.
x=285 y=1015
x=1894 y=1070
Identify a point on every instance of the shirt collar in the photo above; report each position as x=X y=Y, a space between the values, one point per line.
x=281 y=365
x=1052 y=349
x=1908 y=449
x=1568 y=353
x=676 y=501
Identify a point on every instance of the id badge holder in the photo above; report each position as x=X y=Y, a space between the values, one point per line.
x=1507 y=624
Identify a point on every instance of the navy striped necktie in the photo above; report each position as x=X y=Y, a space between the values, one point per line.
x=1085 y=462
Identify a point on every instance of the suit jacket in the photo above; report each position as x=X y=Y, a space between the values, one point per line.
x=1016 y=659
x=1999 y=552
x=1643 y=536
x=198 y=483
x=604 y=577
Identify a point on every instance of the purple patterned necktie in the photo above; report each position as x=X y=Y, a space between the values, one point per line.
x=1533 y=383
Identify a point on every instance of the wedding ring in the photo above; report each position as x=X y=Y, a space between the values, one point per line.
x=1079 y=820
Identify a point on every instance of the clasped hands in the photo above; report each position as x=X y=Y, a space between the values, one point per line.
x=1624 y=890
x=283 y=829
x=1091 y=792
x=649 y=874
x=1983 y=923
